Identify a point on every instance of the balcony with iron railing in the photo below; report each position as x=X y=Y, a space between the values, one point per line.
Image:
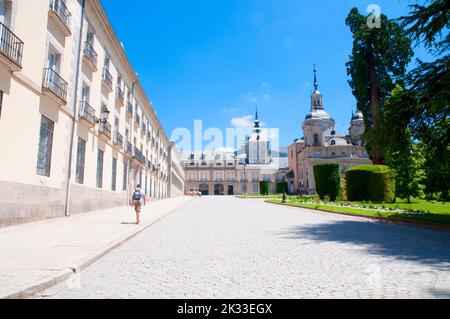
x=90 y=56
x=55 y=86
x=107 y=79
x=118 y=140
x=137 y=120
x=61 y=15
x=11 y=49
x=104 y=129
x=129 y=148
x=120 y=96
x=87 y=113
x=138 y=155
x=129 y=111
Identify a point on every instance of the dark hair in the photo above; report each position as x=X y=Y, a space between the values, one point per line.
x=138 y=186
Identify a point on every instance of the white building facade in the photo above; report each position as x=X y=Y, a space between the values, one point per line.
x=77 y=130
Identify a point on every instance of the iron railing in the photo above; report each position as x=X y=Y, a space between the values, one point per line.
x=107 y=77
x=10 y=45
x=60 y=9
x=129 y=148
x=120 y=95
x=138 y=154
x=55 y=83
x=137 y=120
x=105 y=129
x=130 y=109
x=90 y=53
x=87 y=112
x=118 y=139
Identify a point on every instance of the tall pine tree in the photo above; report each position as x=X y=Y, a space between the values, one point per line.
x=378 y=60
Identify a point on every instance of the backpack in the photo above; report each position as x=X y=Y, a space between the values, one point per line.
x=137 y=195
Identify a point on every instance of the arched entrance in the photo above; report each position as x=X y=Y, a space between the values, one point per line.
x=218 y=189
x=204 y=189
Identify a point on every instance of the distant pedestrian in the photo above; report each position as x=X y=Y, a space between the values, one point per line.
x=137 y=200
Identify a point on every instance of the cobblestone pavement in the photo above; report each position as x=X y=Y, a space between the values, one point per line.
x=223 y=247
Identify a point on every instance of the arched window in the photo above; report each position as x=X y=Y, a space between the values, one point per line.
x=316 y=140
x=333 y=142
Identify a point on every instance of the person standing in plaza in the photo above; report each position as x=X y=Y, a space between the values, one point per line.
x=138 y=200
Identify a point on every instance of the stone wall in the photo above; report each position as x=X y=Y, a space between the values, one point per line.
x=23 y=203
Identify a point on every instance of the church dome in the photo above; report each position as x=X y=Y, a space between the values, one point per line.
x=357 y=116
x=317 y=114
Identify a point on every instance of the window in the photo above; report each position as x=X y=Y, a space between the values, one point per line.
x=45 y=147
x=81 y=155
x=125 y=175
x=203 y=176
x=255 y=177
x=255 y=187
x=114 y=174
x=316 y=140
x=6 y=12
x=100 y=156
x=146 y=184
x=90 y=37
x=191 y=177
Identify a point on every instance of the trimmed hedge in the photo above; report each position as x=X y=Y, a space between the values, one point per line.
x=264 y=188
x=328 y=180
x=282 y=187
x=371 y=183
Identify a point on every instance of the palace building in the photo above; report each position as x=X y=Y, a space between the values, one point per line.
x=77 y=130
x=320 y=145
x=236 y=172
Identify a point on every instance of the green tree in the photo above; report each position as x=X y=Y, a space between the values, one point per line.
x=429 y=84
x=378 y=60
x=406 y=158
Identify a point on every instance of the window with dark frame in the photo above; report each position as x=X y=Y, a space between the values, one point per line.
x=100 y=156
x=81 y=156
x=114 y=174
x=125 y=175
x=45 y=147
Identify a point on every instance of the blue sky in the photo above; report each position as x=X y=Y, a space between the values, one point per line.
x=215 y=59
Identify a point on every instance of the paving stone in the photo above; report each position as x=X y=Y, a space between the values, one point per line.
x=224 y=247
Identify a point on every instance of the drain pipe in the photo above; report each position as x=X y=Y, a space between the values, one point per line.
x=74 y=108
x=129 y=190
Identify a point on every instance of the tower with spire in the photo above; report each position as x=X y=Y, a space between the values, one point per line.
x=257 y=146
x=317 y=121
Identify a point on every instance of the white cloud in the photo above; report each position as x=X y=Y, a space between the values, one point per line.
x=243 y=122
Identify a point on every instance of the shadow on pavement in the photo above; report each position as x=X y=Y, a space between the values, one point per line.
x=419 y=244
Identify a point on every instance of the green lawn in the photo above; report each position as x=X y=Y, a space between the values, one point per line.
x=437 y=212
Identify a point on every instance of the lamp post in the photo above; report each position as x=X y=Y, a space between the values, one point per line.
x=283 y=173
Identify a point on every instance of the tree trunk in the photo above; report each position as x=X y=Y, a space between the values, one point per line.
x=376 y=154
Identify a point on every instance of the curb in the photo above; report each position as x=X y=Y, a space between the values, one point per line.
x=383 y=219
x=63 y=275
